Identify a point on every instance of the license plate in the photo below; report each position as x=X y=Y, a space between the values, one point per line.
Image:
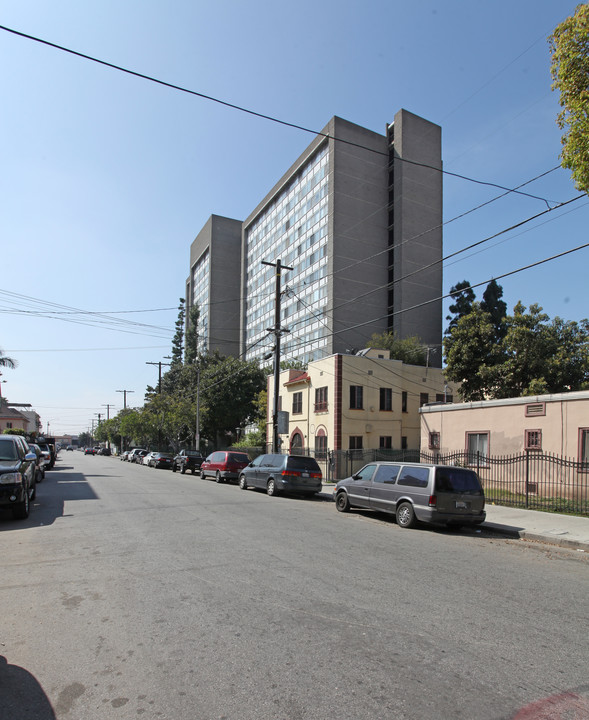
x=461 y=505
x=305 y=475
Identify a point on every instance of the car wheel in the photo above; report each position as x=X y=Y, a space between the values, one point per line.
x=173 y=467
x=218 y=478
x=406 y=515
x=34 y=493
x=271 y=488
x=183 y=469
x=342 y=503
x=38 y=476
x=242 y=482
x=193 y=471
x=21 y=511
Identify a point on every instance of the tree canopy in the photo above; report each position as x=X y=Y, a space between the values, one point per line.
x=409 y=350
x=533 y=356
x=569 y=44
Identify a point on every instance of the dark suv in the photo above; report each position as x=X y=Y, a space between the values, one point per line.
x=282 y=473
x=17 y=475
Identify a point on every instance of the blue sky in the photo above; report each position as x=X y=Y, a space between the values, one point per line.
x=106 y=178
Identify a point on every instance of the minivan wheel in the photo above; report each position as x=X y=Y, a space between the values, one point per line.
x=242 y=482
x=271 y=487
x=218 y=477
x=405 y=515
x=342 y=503
x=183 y=469
x=173 y=467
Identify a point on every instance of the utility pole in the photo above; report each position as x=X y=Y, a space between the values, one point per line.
x=125 y=397
x=159 y=364
x=108 y=407
x=277 y=330
x=197 y=432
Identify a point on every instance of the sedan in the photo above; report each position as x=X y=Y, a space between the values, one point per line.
x=160 y=460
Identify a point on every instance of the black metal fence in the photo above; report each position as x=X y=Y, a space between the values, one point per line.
x=533 y=480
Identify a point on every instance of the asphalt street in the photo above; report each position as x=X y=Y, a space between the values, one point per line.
x=134 y=592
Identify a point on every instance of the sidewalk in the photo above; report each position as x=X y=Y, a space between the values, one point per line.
x=564 y=530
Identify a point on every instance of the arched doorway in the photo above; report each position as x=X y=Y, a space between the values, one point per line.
x=296 y=443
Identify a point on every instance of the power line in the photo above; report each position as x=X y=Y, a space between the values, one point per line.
x=263 y=116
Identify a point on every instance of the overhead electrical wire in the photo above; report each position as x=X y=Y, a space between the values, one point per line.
x=263 y=116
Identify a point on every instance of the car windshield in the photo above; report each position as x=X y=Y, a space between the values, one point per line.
x=302 y=463
x=193 y=453
x=457 y=480
x=7 y=450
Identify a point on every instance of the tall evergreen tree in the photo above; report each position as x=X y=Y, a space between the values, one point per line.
x=463 y=296
x=496 y=307
x=178 y=339
x=191 y=340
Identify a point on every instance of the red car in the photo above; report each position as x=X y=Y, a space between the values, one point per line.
x=224 y=465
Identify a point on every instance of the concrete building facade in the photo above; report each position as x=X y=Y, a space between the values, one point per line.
x=214 y=284
x=358 y=218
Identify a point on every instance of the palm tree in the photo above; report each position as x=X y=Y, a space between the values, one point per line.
x=6 y=361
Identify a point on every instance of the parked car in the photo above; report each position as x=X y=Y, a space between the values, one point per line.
x=144 y=460
x=414 y=492
x=224 y=465
x=43 y=460
x=282 y=473
x=104 y=451
x=187 y=460
x=17 y=475
x=124 y=455
x=135 y=453
x=160 y=460
x=47 y=447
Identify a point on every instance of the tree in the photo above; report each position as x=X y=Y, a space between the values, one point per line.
x=463 y=296
x=6 y=361
x=178 y=339
x=471 y=353
x=409 y=350
x=534 y=357
x=191 y=339
x=496 y=307
x=569 y=45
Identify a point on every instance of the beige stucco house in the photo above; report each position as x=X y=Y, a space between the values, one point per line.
x=355 y=402
x=557 y=424
x=11 y=419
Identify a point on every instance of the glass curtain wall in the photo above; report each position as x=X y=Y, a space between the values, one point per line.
x=200 y=296
x=293 y=228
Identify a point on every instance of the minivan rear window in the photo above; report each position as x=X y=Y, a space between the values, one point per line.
x=300 y=462
x=456 y=480
x=238 y=457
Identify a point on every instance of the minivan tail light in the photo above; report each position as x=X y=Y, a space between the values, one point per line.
x=290 y=473
x=433 y=501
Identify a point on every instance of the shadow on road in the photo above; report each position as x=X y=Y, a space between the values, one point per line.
x=21 y=696
x=57 y=488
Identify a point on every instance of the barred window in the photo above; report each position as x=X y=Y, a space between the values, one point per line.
x=297 y=403
x=321 y=399
x=533 y=440
x=356 y=397
x=386 y=399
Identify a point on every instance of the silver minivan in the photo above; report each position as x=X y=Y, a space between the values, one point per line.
x=415 y=492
